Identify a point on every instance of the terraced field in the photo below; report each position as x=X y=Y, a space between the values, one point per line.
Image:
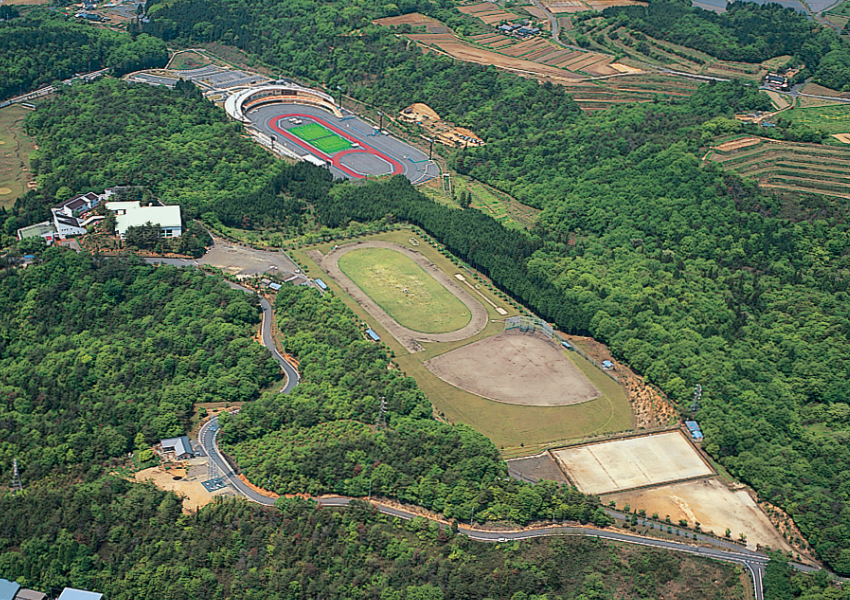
x=788 y=167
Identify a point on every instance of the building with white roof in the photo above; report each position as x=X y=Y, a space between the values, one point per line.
x=132 y=214
x=72 y=594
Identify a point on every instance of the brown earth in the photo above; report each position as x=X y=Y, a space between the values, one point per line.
x=844 y=138
x=737 y=144
x=416 y=20
x=712 y=504
x=443 y=131
x=188 y=485
x=515 y=368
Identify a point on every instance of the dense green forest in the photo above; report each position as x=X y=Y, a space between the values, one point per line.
x=42 y=47
x=101 y=357
x=178 y=145
x=322 y=437
x=131 y=542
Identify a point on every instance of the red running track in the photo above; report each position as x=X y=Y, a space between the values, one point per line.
x=335 y=161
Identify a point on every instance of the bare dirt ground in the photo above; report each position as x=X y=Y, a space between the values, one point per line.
x=712 y=504
x=243 y=261
x=535 y=468
x=443 y=131
x=515 y=368
x=737 y=144
x=844 y=138
x=406 y=337
x=416 y=20
x=188 y=485
x=606 y=467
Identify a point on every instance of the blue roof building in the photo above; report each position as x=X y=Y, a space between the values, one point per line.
x=321 y=284
x=607 y=364
x=72 y=594
x=373 y=335
x=274 y=286
x=566 y=345
x=8 y=589
x=692 y=425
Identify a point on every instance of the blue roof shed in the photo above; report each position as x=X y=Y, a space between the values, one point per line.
x=607 y=364
x=274 y=286
x=321 y=284
x=373 y=335
x=8 y=589
x=72 y=594
x=566 y=345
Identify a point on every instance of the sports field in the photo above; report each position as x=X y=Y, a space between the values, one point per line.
x=632 y=462
x=321 y=137
x=404 y=290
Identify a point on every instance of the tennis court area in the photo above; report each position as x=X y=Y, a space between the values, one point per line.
x=320 y=137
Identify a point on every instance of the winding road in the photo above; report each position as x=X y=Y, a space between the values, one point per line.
x=754 y=562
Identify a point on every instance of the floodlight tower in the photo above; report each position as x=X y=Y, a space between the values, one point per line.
x=382 y=413
x=16 y=478
x=695 y=405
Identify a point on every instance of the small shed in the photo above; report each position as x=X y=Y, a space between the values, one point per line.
x=180 y=446
x=274 y=286
x=375 y=337
x=8 y=589
x=72 y=594
x=567 y=345
x=321 y=284
x=30 y=595
x=607 y=364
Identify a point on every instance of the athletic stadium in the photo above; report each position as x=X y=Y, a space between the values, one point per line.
x=308 y=125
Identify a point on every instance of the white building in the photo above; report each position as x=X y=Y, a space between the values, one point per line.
x=69 y=218
x=132 y=214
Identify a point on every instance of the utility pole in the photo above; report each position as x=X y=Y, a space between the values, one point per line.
x=273 y=141
x=431 y=150
x=381 y=115
x=16 y=478
x=472 y=518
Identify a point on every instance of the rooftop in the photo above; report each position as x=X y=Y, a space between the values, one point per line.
x=8 y=589
x=72 y=594
x=36 y=230
x=164 y=216
x=181 y=445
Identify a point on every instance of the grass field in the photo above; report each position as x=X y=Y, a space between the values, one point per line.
x=832 y=119
x=517 y=430
x=15 y=149
x=189 y=60
x=403 y=289
x=321 y=137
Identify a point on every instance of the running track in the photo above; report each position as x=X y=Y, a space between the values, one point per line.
x=398 y=169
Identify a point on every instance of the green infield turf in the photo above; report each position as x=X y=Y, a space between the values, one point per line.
x=385 y=274
x=321 y=137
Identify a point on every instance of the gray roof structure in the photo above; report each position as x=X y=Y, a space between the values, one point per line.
x=30 y=595
x=181 y=445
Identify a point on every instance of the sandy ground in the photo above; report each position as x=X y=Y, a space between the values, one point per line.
x=188 y=486
x=632 y=462
x=407 y=337
x=515 y=368
x=710 y=503
x=844 y=138
x=535 y=468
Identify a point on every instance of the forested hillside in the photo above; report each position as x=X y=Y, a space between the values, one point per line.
x=101 y=357
x=131 y=542
x=323 y=437
x=180 y=146
x=43 y=46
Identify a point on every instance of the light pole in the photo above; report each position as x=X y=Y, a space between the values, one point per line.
x=381 y=116
x=273 y=141
x=431 y=149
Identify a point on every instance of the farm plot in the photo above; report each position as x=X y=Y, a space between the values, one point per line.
x=632 y=462
x=516 y=369
x=321 y=137
x=404 y=290
x=416 y=20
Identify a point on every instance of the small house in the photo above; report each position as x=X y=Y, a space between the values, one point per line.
x=180 y=447
x=275 y=286
x=375 y=337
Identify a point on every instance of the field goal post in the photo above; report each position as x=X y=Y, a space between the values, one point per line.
x=527 y=324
